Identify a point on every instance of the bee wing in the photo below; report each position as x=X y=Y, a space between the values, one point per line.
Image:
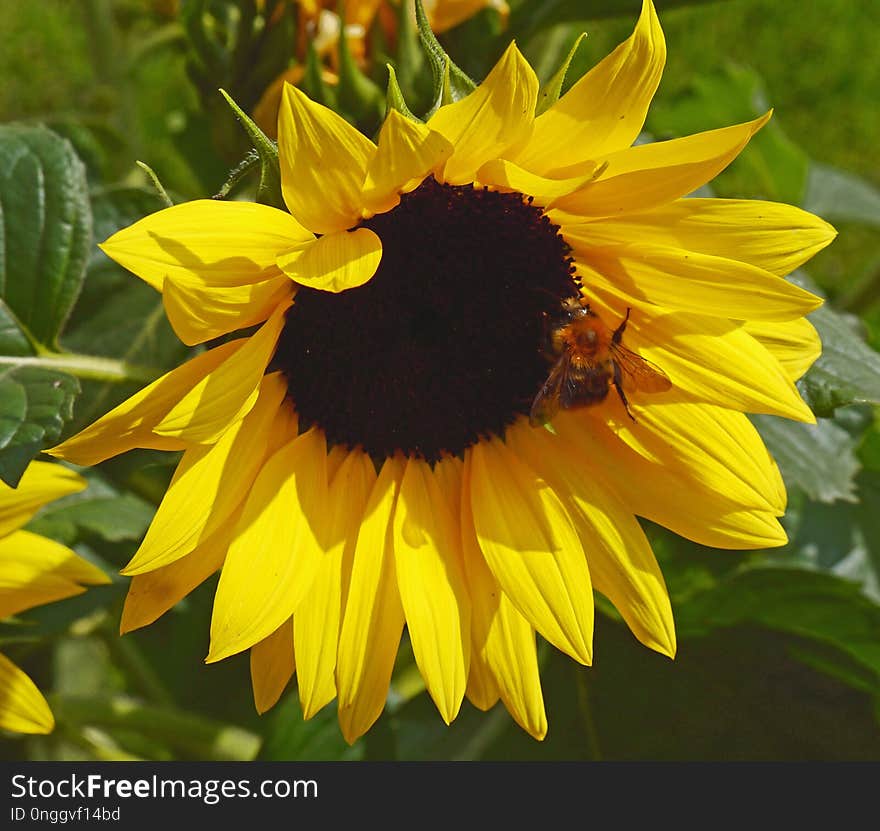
x=546 y=403
x=637 y=373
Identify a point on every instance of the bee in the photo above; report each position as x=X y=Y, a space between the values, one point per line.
x=589 y=358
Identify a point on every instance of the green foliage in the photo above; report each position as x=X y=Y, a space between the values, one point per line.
x=47 y=233
x=818 y=459
x=101 y=510
x=848 y=371
x=34 y=405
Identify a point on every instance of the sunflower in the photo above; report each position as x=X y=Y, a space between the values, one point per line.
x=34 y=570
x=363 y=460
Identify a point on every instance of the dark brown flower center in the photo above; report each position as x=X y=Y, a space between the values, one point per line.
x=444 y=345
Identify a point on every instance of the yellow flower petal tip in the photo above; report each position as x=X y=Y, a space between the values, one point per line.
x=475 y=335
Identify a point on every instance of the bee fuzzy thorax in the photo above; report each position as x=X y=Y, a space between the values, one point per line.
x=589 y=359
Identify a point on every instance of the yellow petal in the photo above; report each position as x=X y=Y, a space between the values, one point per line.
x=319 y=616
x=692 y=282
x=699 y=470
x=769 y=235
x=226 y=394
x=35 y=570
x=277 y=547
x=272 y=666
x=604 y=111
x=710 y=358
x=41 y=482
x=22 y=706
x=432 y=586
x=133 y=422
x=408 y=151
x=153 y=593
x=324 y=161
x=621 y=562
x=712 y=443
x=198 y=312
x=532 y=548
x=482 y=688
x=209 y=483
x=213 y=242
x=373 y=618
x=794 y=343
x=335 y=262
x=647 y=175
x=503 y=641
x=508 y=176
x=497 y=114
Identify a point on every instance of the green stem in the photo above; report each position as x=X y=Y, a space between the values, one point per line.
x=491 y=727
x=191 y=734
x=90 y=367
x=129 y=656
x=585 y=709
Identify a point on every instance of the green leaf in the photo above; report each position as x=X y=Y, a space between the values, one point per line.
x=13 y=341
x=818 y=459
x=99 y=509
x=848 y=370
x=839 y=196
x=450 y=83
x=819 y=606
x=841 y=539
x=34 y=405
x=736 y=693
x=46 y=229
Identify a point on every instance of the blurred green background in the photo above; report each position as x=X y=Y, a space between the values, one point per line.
x=779 y=651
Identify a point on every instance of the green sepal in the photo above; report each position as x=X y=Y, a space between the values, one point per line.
x=359 y=97
x=269 y=189
x=250 y=162
x=450 y=82
x=549 y=93
x=394 y=99
x=154 y=180
x=313 y=83
x=409 y=57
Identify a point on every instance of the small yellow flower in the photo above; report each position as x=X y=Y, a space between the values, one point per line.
x=34 y=571
x=363 y=461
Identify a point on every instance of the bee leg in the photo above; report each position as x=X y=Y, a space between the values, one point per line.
x=618 y=385
x=617 y=337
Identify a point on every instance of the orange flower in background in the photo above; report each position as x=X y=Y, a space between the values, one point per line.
x=319 y=22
